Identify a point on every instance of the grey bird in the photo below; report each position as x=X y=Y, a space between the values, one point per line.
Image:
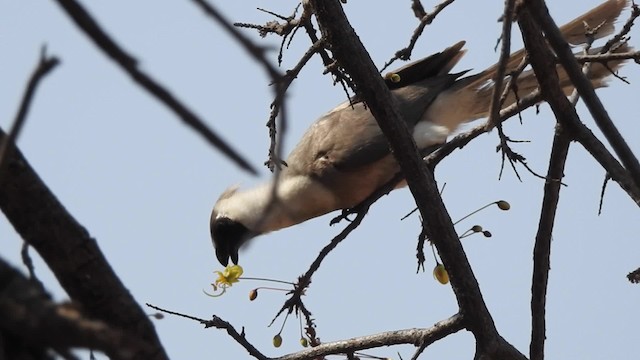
x=344 y=157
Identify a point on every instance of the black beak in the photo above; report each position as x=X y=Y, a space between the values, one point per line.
x=228 y=235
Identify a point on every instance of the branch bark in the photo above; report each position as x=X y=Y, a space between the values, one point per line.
x=71 y=253
x=26 y=312
x=542 y=247
x=539 y=12
x=352 y=56
x=90 y=27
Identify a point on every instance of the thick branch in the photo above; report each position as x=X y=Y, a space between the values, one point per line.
x=71 y=253
x=352 y=56
x=28 y=314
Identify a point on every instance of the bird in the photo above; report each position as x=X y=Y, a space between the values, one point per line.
x=344 y=157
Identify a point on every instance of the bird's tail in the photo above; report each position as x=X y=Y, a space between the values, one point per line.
x=603 y=16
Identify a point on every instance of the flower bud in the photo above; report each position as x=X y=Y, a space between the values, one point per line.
x=476 y=228
x=277 y=340
x=304 y=342
x=253 y=294
x=393 y=77
x=440 y=273
x=503 y=205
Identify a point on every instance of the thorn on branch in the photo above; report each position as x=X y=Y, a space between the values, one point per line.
x=607 y=177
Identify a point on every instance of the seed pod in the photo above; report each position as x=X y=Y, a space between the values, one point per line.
x=277 y=340
x=304 y=342
x=503 y=205
x=440 y=273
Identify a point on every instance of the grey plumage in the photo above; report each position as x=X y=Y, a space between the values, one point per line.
x=344 y=157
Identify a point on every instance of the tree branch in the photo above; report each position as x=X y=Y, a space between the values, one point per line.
x=71 y=253
x=542 y=247
x=45 y=65
x=418 y=337
x=505 y=51
x=27 y=313
x=405 y=53
x=129 y=64
x=539 y=12
x=350 y=53
x=219 y=323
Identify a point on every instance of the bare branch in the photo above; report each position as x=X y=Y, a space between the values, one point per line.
x=405 y=54
x=28 y=313
x=305 y=280
x=541 y=15
x=71 y=253
x=542 y=247
x=258 y=54
x=219 y=323
x=45 y=65
x=603 y=58
x=505 y=51
x=91 y=28
x=419 y=337
x=350 y=52
x=276 y=105
x=604 y=188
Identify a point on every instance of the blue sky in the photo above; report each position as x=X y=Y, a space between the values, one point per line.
x=143 y=184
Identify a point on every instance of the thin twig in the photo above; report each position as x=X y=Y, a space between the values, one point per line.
x=305 y=280
x=276 y=132
x=505 y=50
x=542 y=247
x=541 y=15
x=405 y=54
x=45 y=65
x=283 y=84
x=603 y=58
x=604 y=188
x=219 y=323
x=28 y=263
x=635 y=12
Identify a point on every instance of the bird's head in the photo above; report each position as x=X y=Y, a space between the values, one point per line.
x=229 y=228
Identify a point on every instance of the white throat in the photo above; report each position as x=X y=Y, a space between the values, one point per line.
x=299 y=198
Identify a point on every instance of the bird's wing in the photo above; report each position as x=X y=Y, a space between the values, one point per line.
x=348 y=138
x=602 y=17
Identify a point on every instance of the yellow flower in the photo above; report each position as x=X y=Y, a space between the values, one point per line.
x=229 y=276
x=226 y=278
